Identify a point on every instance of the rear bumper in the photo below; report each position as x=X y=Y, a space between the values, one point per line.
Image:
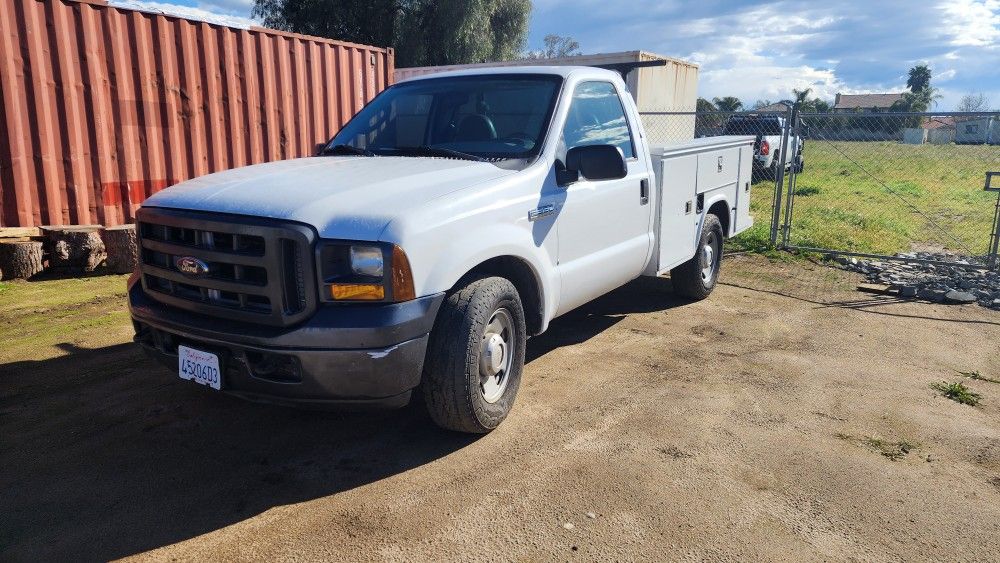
x=343 y=356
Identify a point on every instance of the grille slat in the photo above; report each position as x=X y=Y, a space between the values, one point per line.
x=208 y=283
x=256 y=269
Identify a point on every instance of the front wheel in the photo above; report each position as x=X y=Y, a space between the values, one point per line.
x=697 y=277
x=475 y=356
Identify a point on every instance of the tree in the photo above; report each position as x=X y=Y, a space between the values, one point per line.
x=556 y=46
x=917 y=102
x=728 y=103
x=423 y=32
x=760 y=104
x=704 y=105
x=973 y=103
x=919 y=78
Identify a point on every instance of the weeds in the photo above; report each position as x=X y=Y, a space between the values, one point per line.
x=957 y=392
x=977 y=376
x=892 y=450
x=806 y=190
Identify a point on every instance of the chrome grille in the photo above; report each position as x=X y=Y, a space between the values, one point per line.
x=254 y=270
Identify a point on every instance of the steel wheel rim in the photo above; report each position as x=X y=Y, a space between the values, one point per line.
x=496 y=355
x=710 y=256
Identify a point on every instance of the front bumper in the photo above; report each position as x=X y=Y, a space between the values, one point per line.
x=368 y=355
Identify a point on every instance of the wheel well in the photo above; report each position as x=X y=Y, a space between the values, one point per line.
x=721 y=210
x=523 y=277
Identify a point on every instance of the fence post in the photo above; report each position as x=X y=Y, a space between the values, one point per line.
x=793 y=174
x=994 y=248
x=779 y=179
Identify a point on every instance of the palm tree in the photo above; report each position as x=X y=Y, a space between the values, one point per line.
x=919 y=79
x=728 y=103
x=704 y=105
x=802 y=98
x=917 y=102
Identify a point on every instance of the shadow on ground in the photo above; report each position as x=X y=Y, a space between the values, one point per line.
x=105 y=455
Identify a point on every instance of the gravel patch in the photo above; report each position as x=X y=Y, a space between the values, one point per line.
x=953 y=283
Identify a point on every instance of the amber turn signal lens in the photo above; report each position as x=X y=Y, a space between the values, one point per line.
x=357 y=291
x=402 y=277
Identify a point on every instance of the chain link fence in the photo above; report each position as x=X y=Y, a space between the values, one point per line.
x=894 y=186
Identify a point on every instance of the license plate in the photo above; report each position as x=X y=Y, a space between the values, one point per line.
x=200 y=367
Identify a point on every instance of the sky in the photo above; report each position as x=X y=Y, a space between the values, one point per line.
x=762 y=50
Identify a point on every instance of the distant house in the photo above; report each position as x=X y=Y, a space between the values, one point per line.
x=854 y=103
x=940 y=129
x=777 y=107
x=939 y=122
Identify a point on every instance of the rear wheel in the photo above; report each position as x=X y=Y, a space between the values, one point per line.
x=475 y=356
x=697 y=277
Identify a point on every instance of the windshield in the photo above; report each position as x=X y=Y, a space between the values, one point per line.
x=753 y=126
x=490 y=117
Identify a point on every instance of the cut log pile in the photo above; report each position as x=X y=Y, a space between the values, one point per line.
x=122 y=250
x=26 y=252
x=20 y=259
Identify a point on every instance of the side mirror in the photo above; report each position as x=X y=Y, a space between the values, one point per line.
x=593 y=162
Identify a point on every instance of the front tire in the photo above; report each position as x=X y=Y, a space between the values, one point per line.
x=696 y=278
x=475 y=357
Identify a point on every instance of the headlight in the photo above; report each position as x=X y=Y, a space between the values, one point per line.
x=364 y=272
x=367 y=261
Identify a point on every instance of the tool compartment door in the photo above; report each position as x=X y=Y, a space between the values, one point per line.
x=718 y=168
x=678 y=214
x=743 y=219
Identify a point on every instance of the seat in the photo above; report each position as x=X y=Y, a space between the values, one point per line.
x=476 y=127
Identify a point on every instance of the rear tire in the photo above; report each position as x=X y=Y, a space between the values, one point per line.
x=475 y=357
x=696 y=278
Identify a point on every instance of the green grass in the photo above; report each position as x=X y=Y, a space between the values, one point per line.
x=43 y=314
x=957 y=392
x=884 y=198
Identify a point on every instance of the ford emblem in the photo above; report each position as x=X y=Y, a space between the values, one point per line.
x=191 y=266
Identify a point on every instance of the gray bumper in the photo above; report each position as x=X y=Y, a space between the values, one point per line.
x=344 y=355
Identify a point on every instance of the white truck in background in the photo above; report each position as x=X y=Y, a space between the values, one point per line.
x=455 y=216
x=768 y=131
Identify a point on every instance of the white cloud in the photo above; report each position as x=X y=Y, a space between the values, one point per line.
x=971 y=22
x=210 y=14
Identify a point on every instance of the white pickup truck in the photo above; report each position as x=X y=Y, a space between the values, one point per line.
x=768 y=130
x=455 y=216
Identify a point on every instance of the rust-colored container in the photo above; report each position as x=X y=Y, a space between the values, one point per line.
x=100 y=107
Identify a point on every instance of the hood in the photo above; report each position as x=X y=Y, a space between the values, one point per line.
x=350 y=197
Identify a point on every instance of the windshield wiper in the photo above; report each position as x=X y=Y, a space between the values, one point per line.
x=346 y=149
x=426 y=150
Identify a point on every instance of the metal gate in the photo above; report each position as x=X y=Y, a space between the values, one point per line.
x=891 y=186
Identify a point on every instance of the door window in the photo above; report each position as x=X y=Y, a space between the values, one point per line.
x=597 y=117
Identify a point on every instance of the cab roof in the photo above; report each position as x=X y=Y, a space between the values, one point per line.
x=563 y=71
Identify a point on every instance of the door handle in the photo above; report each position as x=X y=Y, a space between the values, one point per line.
x=644 y=192
x=541 y=211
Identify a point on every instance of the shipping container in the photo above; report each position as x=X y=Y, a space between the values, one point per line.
x=658 y=90
x=103 y=106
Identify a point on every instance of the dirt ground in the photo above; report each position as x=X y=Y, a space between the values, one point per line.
x=788 y=417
